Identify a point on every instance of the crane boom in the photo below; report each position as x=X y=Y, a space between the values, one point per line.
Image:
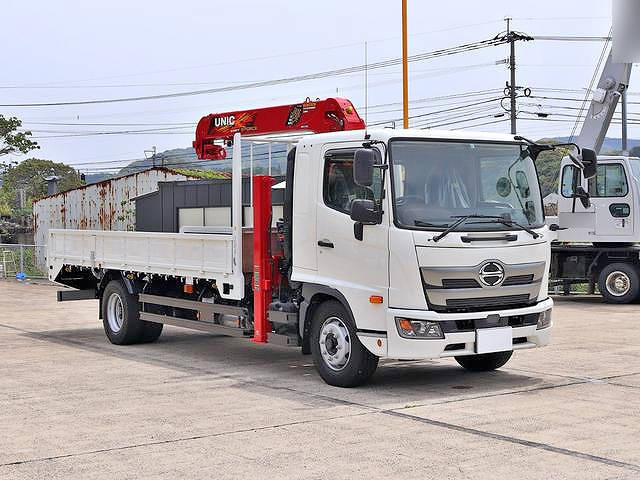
x=614 y=80
x=316 y=116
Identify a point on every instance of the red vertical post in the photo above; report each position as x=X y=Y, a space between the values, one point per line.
x=262 y=266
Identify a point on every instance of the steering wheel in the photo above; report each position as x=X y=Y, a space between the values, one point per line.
x=405 y=199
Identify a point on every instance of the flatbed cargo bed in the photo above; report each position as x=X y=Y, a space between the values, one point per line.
x=205 y=256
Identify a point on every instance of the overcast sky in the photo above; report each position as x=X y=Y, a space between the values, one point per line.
x=85 y=50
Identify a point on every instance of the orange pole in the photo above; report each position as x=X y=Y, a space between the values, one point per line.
x=405 y=68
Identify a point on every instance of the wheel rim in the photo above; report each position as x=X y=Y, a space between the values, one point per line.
x=335 y=343
x=115 y=312
x=618 y=283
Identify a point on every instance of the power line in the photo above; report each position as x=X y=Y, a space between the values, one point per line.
x=110 y=124
x=561 y=38
x=313 y=76
x=481 y=124
x=591 y=84
x=282 y=55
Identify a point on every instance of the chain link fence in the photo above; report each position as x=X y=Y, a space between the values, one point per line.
x=21 y=261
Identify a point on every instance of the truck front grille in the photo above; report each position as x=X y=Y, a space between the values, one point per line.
x=461 y=289
x=518 y=280
x=460 y=283
x=483 y=302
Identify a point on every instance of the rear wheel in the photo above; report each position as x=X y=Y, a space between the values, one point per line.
x=151 y=331
x=340 y=358
x=121 y=315
x=484 y=362
x=619 y=283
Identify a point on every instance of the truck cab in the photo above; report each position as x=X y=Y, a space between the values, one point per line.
x=410 y=288
x=612 y=214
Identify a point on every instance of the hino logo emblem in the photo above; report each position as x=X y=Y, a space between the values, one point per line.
x=491 y=274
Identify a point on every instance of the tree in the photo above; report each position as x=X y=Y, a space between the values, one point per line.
x=30 y=176
x=635 y=152
x=548 y=166
x=13 y=141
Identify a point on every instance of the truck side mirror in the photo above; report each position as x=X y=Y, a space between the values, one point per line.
x=363 y=164
x=583 y=196
x=365 y=212
x=590 y=162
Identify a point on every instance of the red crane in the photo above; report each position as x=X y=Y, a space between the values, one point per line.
x=316 y=116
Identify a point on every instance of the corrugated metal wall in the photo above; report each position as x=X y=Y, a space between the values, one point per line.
x=106 y=205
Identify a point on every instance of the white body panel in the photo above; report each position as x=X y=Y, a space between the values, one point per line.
x=209 y=256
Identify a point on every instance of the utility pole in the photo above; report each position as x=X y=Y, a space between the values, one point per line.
x=366 y=84
x=405 y=68
x=625 y=146
x=512 y=69
x=153 y=155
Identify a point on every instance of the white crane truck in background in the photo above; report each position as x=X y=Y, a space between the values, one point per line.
x=598 y=222
x=409 y=244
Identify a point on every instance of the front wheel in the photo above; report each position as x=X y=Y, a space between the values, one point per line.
x=619 y=283
x=339 y=357
x=484 y=362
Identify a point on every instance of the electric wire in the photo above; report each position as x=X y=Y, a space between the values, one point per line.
x=500 y=40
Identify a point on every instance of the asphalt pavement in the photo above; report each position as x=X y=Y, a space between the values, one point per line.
x=195 y=405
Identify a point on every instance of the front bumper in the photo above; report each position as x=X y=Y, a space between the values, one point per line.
x=392 y=345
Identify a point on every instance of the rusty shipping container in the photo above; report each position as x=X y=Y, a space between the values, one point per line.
x=107 y=205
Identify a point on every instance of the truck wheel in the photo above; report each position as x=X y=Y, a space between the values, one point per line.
x=151 y=331
x=484 y=362
x=121 y=315
x=339 y=357
x=619 y=283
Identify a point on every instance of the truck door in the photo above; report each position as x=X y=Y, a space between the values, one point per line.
x=579 y=222
x=356 y=268
x=612 y=197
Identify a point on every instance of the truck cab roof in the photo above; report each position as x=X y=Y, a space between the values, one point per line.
x=387 y=134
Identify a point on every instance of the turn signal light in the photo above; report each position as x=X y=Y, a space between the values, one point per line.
x=544 y=320
x=410 y=328
x=375 y=299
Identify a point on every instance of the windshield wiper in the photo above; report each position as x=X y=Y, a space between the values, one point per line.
x=421 y=223
x=511 y=223
x=460 y=221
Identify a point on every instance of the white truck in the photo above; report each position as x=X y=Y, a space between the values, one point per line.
x=598 y=222
x=408 y=244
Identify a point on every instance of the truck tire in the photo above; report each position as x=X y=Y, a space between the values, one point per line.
x=619 y=283
x=151 y=331
x=339 y=357
x=121 y=315
x=484 y=362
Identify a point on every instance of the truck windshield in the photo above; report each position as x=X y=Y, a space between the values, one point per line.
x=434 y=183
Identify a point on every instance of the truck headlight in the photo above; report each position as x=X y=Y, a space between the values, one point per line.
x=410 y=328
x=544 y=320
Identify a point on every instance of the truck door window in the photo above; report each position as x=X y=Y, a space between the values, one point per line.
x=568 y=173
x=610 y=181
x=339 y=189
